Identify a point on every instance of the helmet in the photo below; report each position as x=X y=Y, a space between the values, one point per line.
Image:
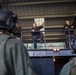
x=7 y=19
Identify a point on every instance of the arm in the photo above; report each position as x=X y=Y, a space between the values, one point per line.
x=32 y=30
x=65 y=27
x=41 y=26
x=18 y=59
x=72 y=26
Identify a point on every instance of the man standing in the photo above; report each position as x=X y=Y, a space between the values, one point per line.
x=14 y=58
x=69 y=33
x=35 y=30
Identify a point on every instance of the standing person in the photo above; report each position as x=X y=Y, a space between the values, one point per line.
x=18 y=33
x=69 y=33
x=14 y=58
x=35 y=30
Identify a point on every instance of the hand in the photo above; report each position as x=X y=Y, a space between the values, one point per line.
x=66 y=27
x=72 y=26
x=33 y=30
x=43 y=23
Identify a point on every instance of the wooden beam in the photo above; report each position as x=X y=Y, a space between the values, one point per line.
x=51 y=26
x=54 y=26
x=47 y=39
x=47 y=16
x=38 y=2
x=26 y=27
x=51 y=34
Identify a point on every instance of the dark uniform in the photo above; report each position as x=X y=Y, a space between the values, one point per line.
x=14 y=58
x=36 y=34
x=69 y=35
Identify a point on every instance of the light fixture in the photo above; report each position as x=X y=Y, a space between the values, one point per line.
x=54 y=50
x=58 y=49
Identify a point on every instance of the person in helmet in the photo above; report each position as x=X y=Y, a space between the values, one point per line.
x=14 y=58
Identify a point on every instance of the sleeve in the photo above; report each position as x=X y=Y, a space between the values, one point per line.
x=40 y=27
x=18 y=60
x=65 y=26
x=31 y=30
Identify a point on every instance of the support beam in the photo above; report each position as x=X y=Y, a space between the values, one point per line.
x=47 y=39
x=51 y=34
x=25 y=28
x=47 y=16
x=39 y=2
x=54 y=26
x=51 y=26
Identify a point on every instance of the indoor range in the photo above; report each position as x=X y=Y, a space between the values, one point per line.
x=37 y=37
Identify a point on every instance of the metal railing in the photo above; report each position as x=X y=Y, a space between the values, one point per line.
x=58 y=30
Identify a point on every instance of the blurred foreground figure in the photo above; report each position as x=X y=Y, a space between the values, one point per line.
x=14 y=58
x=69 y=68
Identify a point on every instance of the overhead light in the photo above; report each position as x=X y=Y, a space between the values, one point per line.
x=58 y=49
x=54 y=50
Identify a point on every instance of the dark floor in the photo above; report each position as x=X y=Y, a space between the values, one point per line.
x=46 y=65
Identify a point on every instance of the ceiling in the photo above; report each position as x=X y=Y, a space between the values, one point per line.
x=55 y=12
